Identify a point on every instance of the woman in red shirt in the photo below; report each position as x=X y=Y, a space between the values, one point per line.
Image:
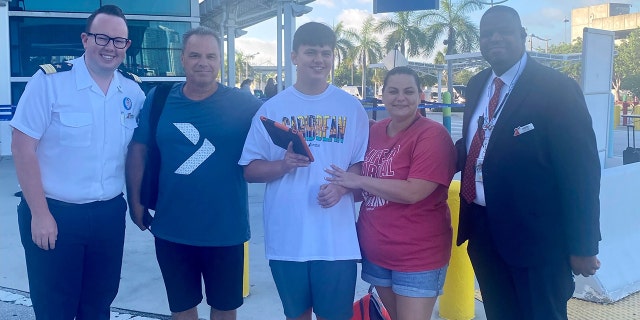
x=404 y=226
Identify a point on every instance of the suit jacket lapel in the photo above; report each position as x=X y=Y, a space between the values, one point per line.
x=520 y=91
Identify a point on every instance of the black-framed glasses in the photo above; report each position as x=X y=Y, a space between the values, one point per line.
x=103 y=40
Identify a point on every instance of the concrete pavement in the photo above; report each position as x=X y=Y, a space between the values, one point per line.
x=142 y=294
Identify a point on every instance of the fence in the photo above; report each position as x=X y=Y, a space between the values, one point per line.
x=6 y=112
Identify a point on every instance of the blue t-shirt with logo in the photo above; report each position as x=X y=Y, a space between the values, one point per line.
x=202 y=198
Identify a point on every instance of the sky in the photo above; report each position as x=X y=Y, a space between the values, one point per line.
x=544 y=18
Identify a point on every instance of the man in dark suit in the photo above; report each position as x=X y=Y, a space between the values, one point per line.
x=530 y=178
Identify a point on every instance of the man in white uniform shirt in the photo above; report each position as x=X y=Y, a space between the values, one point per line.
x=71 y=130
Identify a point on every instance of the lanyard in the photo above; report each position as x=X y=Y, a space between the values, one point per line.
x=488 y=126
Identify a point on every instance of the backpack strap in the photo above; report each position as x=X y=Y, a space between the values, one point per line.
x=157 y=105
x=150 y=179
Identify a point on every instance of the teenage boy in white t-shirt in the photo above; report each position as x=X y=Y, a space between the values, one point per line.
x=310 y=234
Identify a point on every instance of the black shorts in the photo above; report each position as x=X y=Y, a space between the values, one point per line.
x=183 y=267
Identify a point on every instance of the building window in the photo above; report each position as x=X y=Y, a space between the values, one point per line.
x=48 y=5
x=154 y=52
x=17 y=88
x=180 y=8
x=156 y=48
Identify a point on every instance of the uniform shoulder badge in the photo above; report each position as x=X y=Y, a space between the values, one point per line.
x=51 y=68
x=131 y=76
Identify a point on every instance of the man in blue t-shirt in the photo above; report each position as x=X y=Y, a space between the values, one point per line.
x=201 y=218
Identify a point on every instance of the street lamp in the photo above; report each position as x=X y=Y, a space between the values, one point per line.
x=546 y=49
x=565 y=28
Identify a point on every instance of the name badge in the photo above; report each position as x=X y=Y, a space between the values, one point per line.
x=523 y=129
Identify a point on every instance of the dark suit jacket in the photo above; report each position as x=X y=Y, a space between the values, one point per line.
x=541 y=187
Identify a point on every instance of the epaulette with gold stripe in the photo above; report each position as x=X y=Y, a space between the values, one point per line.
x=131 y=76
x=51 y=68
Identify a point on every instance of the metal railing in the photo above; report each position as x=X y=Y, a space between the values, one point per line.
x=6 y=112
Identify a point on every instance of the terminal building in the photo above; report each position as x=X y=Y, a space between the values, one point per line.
x=616 y=17
x=35 y=32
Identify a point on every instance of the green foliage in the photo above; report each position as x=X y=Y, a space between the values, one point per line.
x=366 y=48
x=626 y=65
x=632 y=83
x=342 y=76
x=439 y=58
x=402 y=30
x=572 y=69
x=452 y=24
x=343 y=43
x=463 y=76
x=428 y=80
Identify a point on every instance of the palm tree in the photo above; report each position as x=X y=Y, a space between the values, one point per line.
x=366 y=48
x=241 y=60
x=452 y=23
x=439 y=58
x=404 y=32
x=343 y=46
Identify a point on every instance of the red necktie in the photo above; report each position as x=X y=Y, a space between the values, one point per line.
x=468 y=189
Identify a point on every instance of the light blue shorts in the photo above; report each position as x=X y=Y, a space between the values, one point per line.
x=421 y=284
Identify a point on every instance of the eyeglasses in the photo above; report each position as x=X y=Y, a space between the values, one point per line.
x=103 y=40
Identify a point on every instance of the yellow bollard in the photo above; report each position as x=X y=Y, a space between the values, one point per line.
x=457 y=302
x=617 y=112
x=245 y=275
x=636 y=122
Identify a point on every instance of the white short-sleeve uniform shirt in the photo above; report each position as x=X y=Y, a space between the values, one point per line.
x=83 y=134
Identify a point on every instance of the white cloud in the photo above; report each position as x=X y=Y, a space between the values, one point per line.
x=326 y=3
x=353 y=18
x=267 y=50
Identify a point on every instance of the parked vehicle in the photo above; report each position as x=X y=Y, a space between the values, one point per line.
x=458 y=93
x=356 y=91
x=353 y=90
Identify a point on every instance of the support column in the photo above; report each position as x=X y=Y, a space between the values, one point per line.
x=231 y=49
x=223 y=73
x=446 y=111
x=279 y=48
x=289 y=29
x=5 y=80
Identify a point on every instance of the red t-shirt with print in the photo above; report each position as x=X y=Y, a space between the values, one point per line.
x=408 y=237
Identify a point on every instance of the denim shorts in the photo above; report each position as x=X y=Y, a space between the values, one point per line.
x=420 y=284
